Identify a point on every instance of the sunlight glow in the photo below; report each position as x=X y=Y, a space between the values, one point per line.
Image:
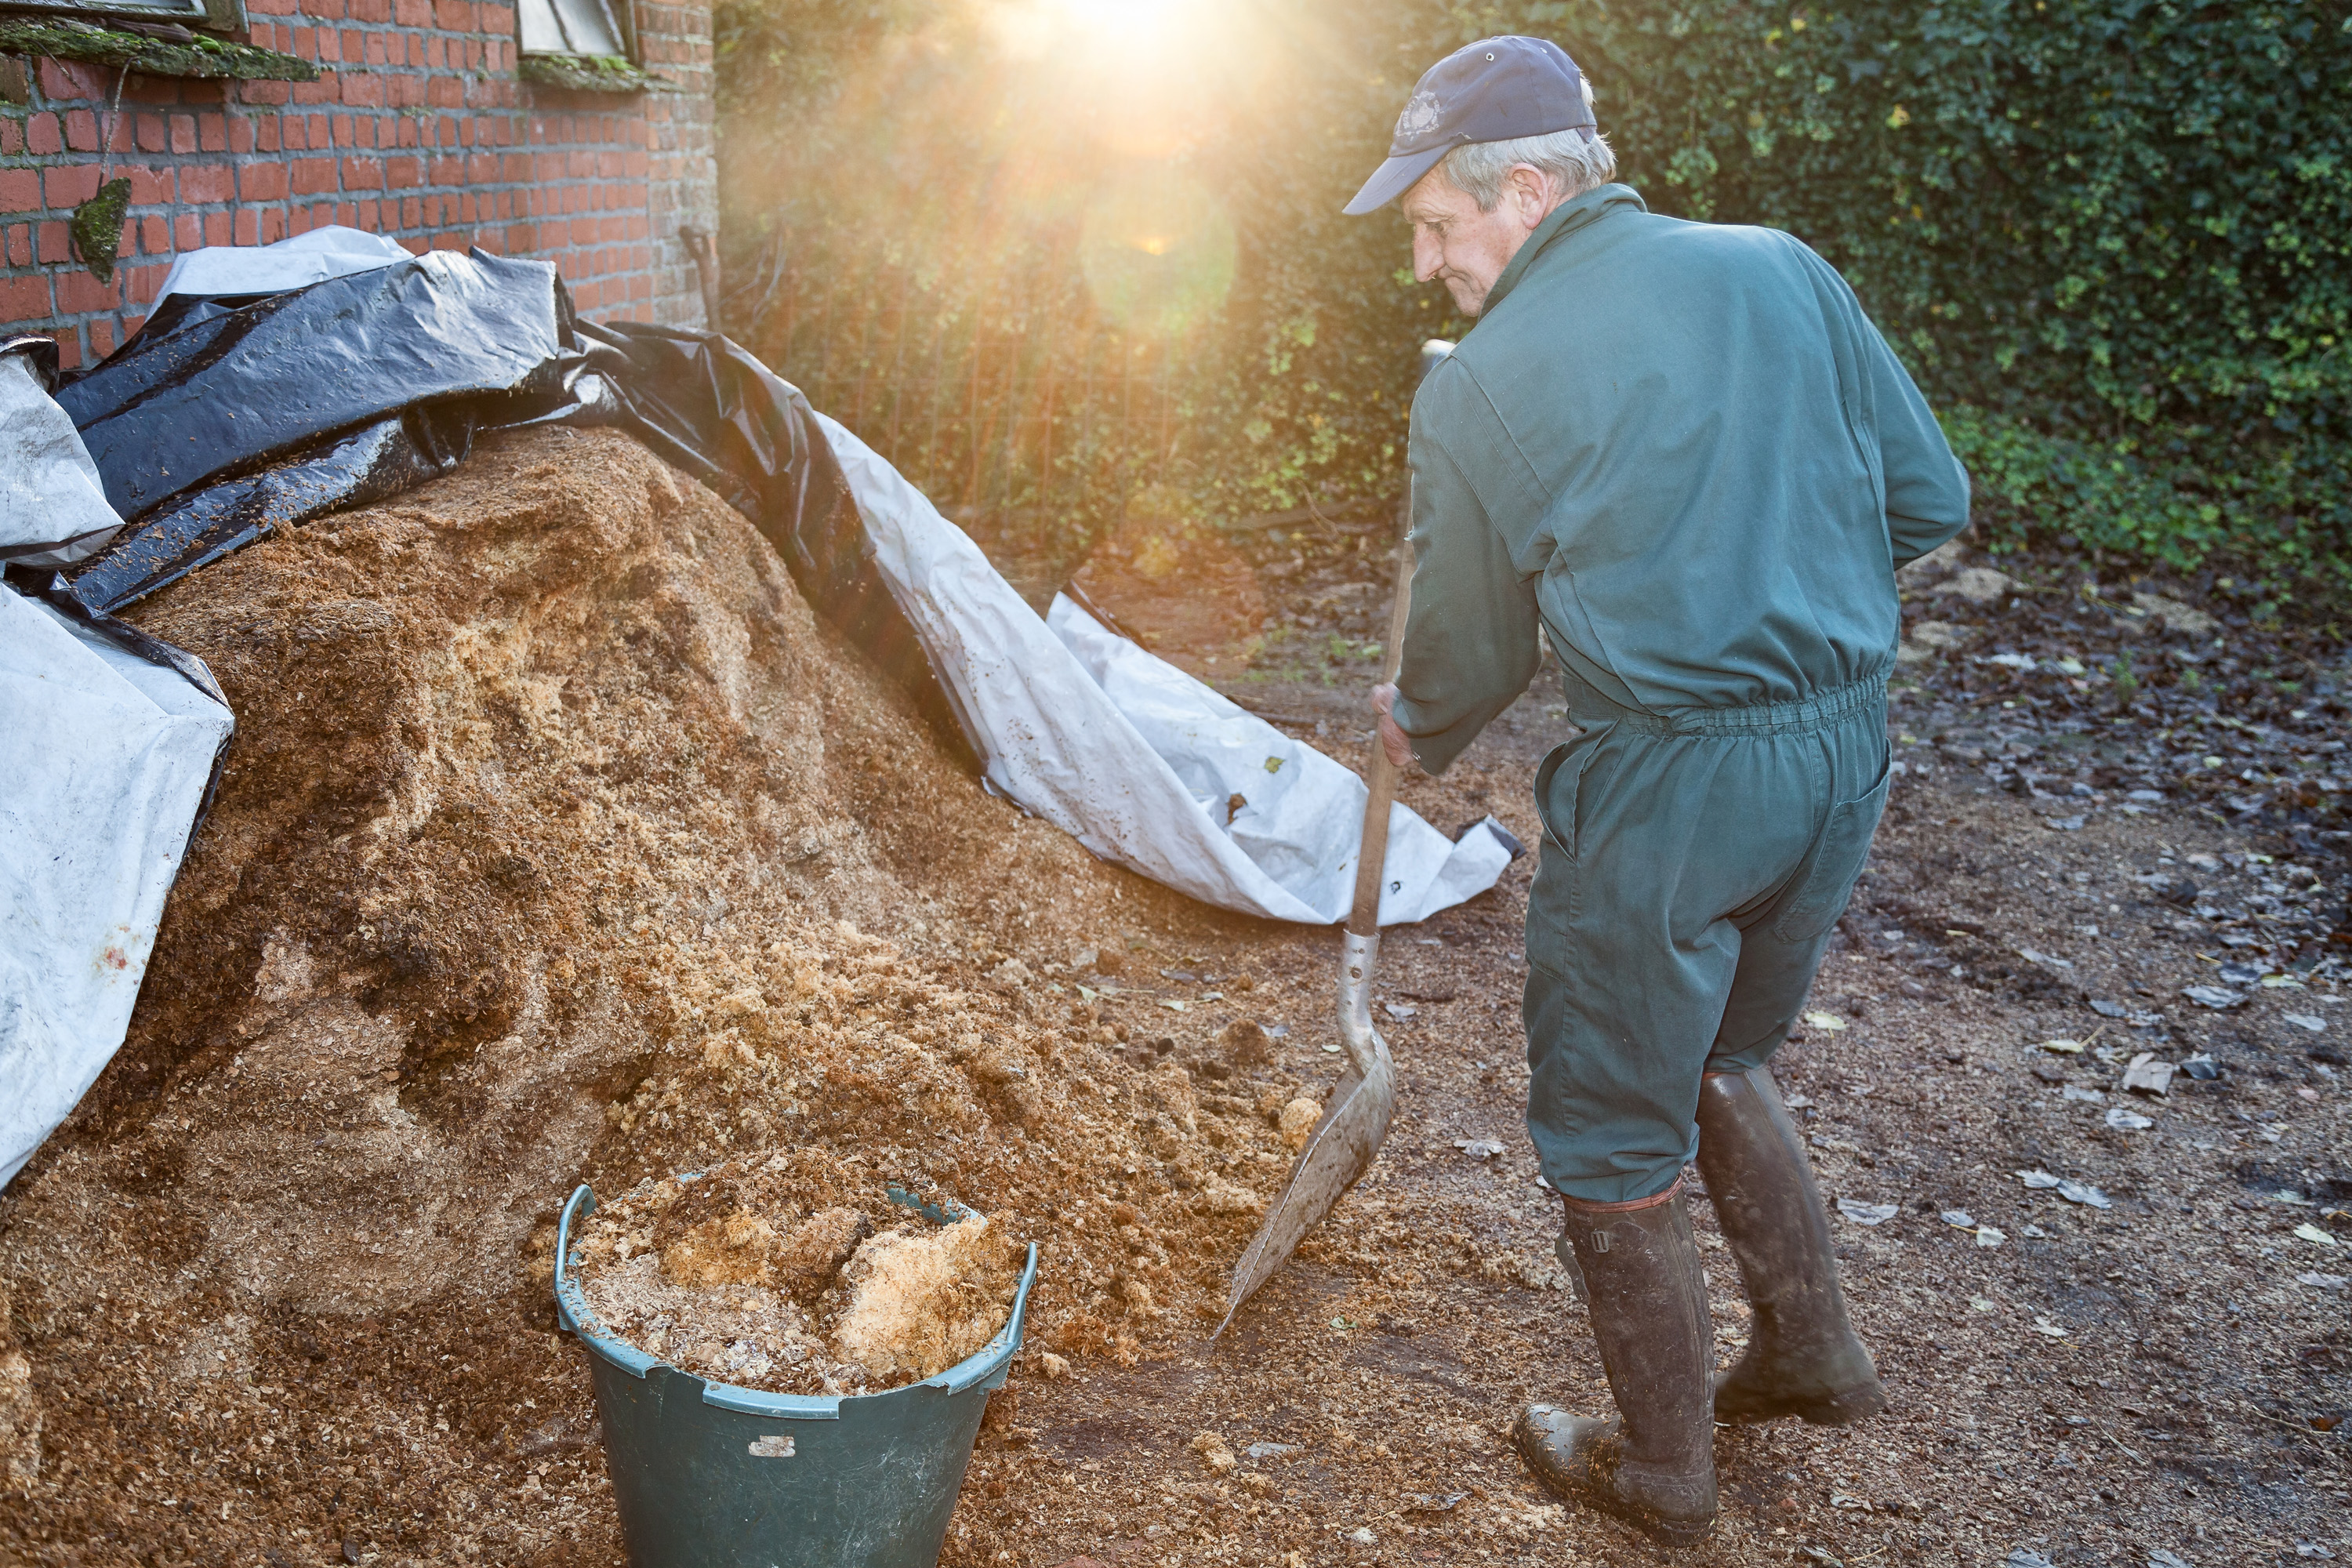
x=1149 y=77
x=1124 y=23
x=1158 y=251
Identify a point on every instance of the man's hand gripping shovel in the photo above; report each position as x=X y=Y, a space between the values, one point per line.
x=1356 y=1117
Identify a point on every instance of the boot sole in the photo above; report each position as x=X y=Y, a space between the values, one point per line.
x=1838 y=1410
x=1676 y=1533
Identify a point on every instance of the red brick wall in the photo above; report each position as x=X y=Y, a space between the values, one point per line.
x=418 y=127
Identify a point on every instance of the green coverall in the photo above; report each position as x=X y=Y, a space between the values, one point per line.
x=1683 y=453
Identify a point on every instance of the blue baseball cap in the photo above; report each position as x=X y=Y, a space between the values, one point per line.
x=1498 y=89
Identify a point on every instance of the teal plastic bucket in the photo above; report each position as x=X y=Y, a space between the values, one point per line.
x=707 y=1475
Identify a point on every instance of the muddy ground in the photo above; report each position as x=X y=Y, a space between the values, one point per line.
x=2165 y=1374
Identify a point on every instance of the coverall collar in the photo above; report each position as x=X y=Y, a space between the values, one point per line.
x=1564 y=219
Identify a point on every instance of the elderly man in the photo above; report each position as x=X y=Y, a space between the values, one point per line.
x=1681 y=453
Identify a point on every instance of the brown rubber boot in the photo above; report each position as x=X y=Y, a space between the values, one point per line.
x=1803 y=1357
x=1655 y=1467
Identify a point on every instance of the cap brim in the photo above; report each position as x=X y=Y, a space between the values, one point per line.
x=1393 y=179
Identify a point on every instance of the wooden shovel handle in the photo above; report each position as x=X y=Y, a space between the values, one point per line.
x=1372 y=861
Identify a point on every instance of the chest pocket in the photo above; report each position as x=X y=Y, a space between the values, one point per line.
x=1818 y=893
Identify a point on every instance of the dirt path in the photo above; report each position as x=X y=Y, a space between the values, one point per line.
x=2166 y=1374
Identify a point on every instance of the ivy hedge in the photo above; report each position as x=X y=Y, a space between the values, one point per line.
x=2109 y=236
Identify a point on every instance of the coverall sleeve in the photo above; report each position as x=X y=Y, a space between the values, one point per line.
x=1470 y=642
x=1926 y=488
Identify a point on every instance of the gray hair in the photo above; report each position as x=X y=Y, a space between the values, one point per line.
x=1566 y=158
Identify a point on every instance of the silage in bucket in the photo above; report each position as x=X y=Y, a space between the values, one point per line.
x=710 y=1476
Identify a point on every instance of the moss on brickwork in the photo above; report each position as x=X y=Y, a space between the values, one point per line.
x=199 y=57
x=592 y=73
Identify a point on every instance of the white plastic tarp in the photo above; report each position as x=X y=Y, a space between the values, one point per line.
x=53 y=506
x=313 y=257
x=1134 y=758
x=105 y=765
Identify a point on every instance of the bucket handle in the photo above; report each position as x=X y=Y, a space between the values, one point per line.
x=993 y=1361
x=572 y=1308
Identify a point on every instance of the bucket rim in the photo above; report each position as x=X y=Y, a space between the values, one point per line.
x=987 y=1366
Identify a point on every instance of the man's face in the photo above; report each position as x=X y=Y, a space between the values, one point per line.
x=1467 y=248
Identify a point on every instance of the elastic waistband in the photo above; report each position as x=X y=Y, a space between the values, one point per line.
x=1587 y=707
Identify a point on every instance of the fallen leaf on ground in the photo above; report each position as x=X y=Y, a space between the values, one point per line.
x=2146 y=1075
x=2123 y=1121
x=1990 y=1236
x=2073 y=1190
x=2211 y=996
x=1829 y=1022
x=2084 y=1193
x=2045 y=1326
x=2312 y=1233
x=2305 y=1021
x=1479 y=1148
x=1866 y=1213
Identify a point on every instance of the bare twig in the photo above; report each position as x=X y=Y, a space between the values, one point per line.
x=2290 y=1425
x=2118 y=1442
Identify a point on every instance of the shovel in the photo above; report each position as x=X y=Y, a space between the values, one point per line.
x=1356 y=1117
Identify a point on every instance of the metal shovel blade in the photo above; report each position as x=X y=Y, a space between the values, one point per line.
x=1356 y=1117
x=1341 y=1149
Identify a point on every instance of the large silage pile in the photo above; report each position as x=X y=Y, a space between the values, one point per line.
x=559 y=842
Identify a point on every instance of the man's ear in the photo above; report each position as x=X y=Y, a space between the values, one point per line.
x=1530 y=192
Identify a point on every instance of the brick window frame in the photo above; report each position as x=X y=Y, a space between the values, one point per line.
x=212 y=16
x=586 y=45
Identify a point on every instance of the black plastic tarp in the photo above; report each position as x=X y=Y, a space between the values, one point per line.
x=229 y=417
x=709 y=406
x=371 y=464
x=219 y=396
x=234 y=417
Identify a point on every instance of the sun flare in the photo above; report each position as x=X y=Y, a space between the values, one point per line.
x=1121 y=23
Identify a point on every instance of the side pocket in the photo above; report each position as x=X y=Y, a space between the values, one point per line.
x=1823 y=885
x=1551 y=902
x=1546 y=770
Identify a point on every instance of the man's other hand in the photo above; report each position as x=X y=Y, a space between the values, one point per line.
x=1392 y=739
